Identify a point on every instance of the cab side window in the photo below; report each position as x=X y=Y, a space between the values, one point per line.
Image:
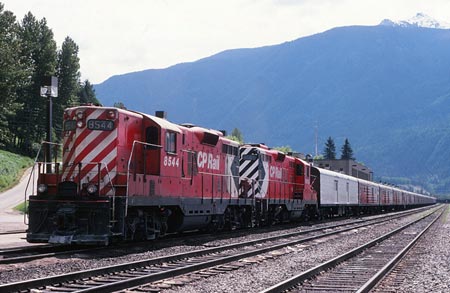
x=299 y=170
x=171 y=142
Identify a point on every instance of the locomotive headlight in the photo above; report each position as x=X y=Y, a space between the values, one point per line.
x=92 y=189
x=80 y=124
x=42 y=188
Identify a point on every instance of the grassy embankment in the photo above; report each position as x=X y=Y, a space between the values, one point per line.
x=12 y=167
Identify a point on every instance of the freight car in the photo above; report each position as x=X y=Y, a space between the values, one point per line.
x=340 y=194
x=127 y=175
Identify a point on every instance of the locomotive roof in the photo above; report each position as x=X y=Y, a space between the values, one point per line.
x=162 y=122
x=178 y=128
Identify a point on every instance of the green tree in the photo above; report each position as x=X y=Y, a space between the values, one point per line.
x=318 y=157
x=38 y=54
x=329 y=152
x=27 y=55
x=236 y=135
x=68 y=81
x=86 y=93
x=119 y=105
x=11 y=75
x=346 y=151
x=285 y=149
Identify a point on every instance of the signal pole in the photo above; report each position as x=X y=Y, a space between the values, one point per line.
x=49 y=89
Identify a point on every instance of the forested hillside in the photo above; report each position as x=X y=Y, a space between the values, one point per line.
x=28 y=53
x=386 y=88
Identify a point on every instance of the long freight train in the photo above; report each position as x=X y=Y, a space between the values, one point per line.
x=129 y=176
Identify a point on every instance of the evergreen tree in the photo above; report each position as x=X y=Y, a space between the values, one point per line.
x=27 y=55
x=236 y=135
x=119 y=105
x=38 y=51
x=68 y=81
x=346 y=151
x=11 y=75
x=86 y=93
x=329 y=153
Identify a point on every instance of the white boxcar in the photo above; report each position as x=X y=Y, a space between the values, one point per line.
x=337 y=189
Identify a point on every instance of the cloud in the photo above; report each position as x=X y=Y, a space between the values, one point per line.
x=121 y=36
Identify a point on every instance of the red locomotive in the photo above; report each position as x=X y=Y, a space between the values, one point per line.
x=279 y=184
x=127 y=175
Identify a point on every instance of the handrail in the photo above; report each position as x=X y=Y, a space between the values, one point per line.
x=110 y=182
x=128 y=168
x=32 y=175
x=83 y=163
x=109 y=179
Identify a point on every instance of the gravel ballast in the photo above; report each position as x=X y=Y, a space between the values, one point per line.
x=258 y=277
x=251 y=278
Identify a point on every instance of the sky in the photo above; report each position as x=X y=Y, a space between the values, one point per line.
x=117 y=37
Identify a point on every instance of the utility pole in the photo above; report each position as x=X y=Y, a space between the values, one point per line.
x=315 y=140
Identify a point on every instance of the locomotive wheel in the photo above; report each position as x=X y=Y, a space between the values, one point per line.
x=237 y=217
x=155 y=231
x=146 y=226
x=156 y=226
x=217 y=224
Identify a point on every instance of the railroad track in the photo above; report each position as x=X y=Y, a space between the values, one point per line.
x=214 y=260
x=360 y=269
x=28 y=253
x=401 y=274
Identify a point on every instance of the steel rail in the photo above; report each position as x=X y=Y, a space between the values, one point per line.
x=52 y=251
x=395 y=260
x=308 y=274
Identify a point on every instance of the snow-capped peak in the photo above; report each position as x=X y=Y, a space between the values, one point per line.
x=419 y=20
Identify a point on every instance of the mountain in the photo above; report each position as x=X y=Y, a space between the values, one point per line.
x=419 y=20
x=386 y=88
